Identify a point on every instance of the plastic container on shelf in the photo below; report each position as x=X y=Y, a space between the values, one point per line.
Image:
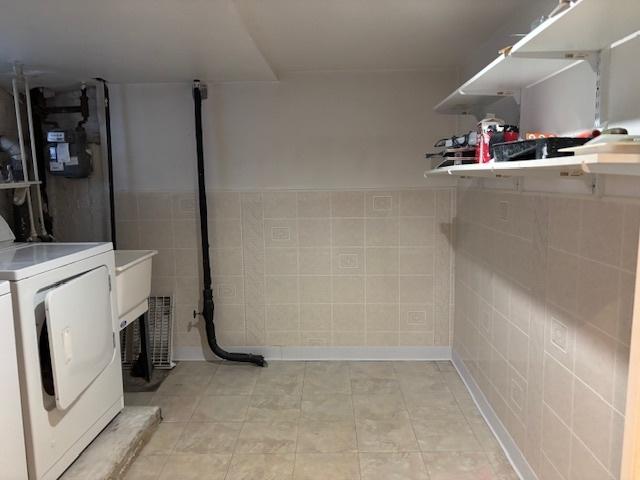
x=487 y=127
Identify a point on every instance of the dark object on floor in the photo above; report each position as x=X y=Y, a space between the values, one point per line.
x=143 y=367
x=207 y=293
x=535 y=149
x=141 y=384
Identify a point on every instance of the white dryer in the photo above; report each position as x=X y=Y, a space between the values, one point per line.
x=13 y=459
x=66 y=324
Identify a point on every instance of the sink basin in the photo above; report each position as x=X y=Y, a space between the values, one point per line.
x=133 y=283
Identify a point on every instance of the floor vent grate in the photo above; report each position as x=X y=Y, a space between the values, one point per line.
x=160 y=318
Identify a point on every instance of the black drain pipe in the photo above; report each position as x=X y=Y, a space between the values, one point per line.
x=208 y=306
x=112 y=203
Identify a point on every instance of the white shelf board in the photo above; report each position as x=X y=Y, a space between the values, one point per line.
x=506 y=76
x=588 y=26
x=13 y=185
x=461 y=103
x=598 y=163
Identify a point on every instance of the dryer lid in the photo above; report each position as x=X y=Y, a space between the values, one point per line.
x=82 y=340
x=23 y=260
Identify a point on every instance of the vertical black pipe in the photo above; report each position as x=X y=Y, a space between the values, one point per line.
x=112 y=202
x=208 y=306
x=37 y=100
x=202 y=188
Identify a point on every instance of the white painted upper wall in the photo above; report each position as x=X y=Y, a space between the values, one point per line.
x=339 y=129
x=153 y=137
x=566 y=103
x=315 y=130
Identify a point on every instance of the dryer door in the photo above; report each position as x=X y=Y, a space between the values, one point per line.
x=81 y=336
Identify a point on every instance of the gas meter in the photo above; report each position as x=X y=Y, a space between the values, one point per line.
x=68 y=152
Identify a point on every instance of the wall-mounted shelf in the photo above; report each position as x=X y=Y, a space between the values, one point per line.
x=14 y=185
x=575 y=35
x=566 y=167
x=588 y=26
x=506 y=76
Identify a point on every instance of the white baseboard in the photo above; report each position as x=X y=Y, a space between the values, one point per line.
x=325 y=353
x=508 y=444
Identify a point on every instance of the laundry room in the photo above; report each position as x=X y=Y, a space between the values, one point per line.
x=297 y=240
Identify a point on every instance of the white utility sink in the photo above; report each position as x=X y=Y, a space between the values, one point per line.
x=133 y=283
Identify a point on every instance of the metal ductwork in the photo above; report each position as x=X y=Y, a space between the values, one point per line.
x=11 y=147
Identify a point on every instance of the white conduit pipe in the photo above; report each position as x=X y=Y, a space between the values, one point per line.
x=25 y=172
x=34 y=162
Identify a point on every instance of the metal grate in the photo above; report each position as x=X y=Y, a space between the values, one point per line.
x=160 y=318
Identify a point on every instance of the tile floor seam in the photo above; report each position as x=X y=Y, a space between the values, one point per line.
x=404 y=402
x=295 y=449
x=475 y=435
x=164 y=463
x=171 y=453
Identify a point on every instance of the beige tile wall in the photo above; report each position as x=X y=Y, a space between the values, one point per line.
x=304 y=268
x=543 y=299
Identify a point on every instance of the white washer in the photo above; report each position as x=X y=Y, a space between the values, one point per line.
x=13 y=459
x=66 y=323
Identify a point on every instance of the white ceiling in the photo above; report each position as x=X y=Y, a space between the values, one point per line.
x=371 y=34
x=133 y=41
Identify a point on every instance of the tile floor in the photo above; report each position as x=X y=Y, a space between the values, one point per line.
x=318 y=421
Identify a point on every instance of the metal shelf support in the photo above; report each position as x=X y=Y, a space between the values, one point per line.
x=27 y=182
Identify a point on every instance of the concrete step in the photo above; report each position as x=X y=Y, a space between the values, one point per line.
x=111 y=453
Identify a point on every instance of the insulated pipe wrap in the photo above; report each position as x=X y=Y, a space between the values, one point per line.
x=11 y=147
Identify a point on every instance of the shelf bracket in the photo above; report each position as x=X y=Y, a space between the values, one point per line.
x=595 y=183
x=602 y=89
x=589 y=56
x=518 y=184
x=594 y=60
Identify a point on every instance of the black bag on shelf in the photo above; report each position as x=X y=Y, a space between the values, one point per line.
x=535 y=149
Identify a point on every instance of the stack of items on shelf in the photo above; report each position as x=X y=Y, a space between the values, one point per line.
x=496 y=141
x=457 y=150
x=493 y=131
x=536 y=146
